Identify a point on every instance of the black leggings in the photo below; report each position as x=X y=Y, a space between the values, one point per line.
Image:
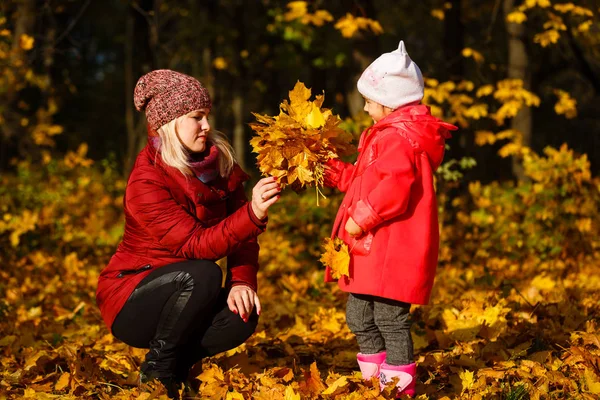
x=184 y=306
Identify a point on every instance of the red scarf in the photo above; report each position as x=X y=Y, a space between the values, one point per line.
x=205 y=165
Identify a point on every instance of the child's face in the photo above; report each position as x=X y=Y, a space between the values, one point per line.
x=376 y=110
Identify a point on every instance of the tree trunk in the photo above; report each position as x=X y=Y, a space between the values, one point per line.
x=355 y=100
x=238 y=101
x=363 y=53
x=129 y=106
x=519 y=68
x=239 y=139
x=454 y=41
x=24 y=24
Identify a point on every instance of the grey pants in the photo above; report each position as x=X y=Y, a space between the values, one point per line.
x=381 y=324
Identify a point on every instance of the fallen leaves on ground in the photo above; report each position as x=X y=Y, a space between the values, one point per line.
x=504 y=322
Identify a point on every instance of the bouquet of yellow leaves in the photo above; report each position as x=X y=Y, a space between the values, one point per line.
x=294 y=146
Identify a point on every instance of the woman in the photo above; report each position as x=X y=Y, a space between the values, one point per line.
x=185 y=208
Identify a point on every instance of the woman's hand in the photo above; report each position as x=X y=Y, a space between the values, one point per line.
x=242 y=300
x=264 y=194
x=352 y=228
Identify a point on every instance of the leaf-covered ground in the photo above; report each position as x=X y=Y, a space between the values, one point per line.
x=503 y=330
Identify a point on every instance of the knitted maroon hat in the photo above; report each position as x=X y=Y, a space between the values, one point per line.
x=165 y=95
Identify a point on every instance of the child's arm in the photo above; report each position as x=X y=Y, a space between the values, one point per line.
x=338 y=174
x=393 y=170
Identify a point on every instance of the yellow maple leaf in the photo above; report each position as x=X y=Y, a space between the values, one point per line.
x=26 y=42
x=585 y=26
x=304 y=175
x=547 y=38
x=313 y=382
x=477 y=111
x=348 y=25
x=438 y=14
x=336 y=257
x=290 y=394
x=319 y=17
x=297 y=9
x=477 y=56
x=485 y=90
x=467 y=379
x=510 y=149
x=592 y=381
x=517 y=17
x=484 y=137
x=566 y=105
x=63 y=381
x=234 y=396
x=212 y=373
x=334 y=388
x=315 y=118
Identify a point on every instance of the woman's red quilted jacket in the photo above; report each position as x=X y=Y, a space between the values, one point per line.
x=171 y=218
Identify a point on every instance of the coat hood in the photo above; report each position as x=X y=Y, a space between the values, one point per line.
x=429 y=132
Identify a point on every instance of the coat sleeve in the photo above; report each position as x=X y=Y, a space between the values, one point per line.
x=394 y=172
x=338 y=174
x=151 y=204
x=243 y=262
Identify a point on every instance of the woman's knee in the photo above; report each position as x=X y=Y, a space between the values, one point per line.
x=243 y=330
x=205 y=274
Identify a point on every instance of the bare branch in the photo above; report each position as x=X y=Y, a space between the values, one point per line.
x=72 y=23
x=139 y=9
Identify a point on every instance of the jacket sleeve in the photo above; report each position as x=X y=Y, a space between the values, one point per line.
x=338 y=174
x=151 y=204
x=394 y=172
x=243 y=262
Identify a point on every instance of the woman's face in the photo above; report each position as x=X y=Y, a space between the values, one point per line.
x=193 y=129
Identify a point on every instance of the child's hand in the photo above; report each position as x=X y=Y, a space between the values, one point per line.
x=352 y=228
x=332 y=171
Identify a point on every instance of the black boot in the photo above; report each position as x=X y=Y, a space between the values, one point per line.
x=160 y=365
x=185 y=363
x=148 y=374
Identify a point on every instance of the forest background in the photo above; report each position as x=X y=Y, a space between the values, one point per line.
x=514 y=314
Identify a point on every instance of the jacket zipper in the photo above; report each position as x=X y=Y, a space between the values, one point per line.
x=134 y=271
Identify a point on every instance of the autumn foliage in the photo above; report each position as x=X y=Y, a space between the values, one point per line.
x=514 y=309
x=516 y=305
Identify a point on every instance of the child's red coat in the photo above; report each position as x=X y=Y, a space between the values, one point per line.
x=390 y=194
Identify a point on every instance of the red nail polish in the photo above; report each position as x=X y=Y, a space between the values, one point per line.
x=235 y=311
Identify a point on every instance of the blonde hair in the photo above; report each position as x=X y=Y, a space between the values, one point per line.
x=174 y=154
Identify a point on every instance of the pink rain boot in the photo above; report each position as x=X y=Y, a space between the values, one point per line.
x=406 y=374
x=369 y=364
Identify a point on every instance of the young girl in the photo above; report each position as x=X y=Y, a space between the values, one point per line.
x=388 y=217
x=185 y=208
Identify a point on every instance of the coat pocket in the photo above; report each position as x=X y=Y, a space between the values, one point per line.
x=134 y=271
x=362 y=245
